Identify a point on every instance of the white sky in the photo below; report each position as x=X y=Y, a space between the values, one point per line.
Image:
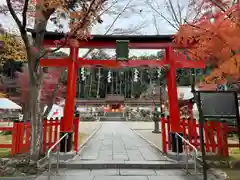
x=141 y=13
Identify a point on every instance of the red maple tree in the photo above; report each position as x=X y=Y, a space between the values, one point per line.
x=214 y=37
x=49 y=83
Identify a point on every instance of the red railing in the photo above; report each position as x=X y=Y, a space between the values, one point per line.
x=215 y=134
x=51 y=130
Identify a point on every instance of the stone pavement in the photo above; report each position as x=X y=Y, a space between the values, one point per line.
x=116 y=142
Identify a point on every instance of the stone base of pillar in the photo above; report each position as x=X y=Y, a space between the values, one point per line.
x=66 y=144
x=156 y=127
x=157 y=132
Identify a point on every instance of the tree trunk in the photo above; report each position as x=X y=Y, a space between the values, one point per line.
x=35 y=114
x=125 y=84
x=112 y=84
x=90 y=84
x=120 y=79
x=35 y=82
x=25 y=108
x=98 y=83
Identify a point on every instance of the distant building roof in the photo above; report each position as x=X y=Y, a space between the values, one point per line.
x=114 y=98
x=6 y=103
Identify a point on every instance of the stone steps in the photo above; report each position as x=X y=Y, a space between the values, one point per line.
x=114 y=114
x=80 y=164
x=103 y=118
x=124 y=174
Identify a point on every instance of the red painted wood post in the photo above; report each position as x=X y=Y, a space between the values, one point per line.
x=163 y=129
x=28 y=135
x=76 y=131
x=190 y=132
x=70 y=100
x=184 y=127
x=45 y=125
x=172 y=91
x=56 y=132
x=61 y=124
x=195 y=132
x=212 y=136
x=169 y=141
x=225 y=139
x=219 y=138
x=21 y=130
x=206 y=126
x=14 y=149
x=50 y=133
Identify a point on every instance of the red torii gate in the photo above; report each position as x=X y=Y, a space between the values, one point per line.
x=172 y=59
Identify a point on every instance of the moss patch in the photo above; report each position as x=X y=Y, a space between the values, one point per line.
x=234 y=154
x=5 y=139
x=81 y=137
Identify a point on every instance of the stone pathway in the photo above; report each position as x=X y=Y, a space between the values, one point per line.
x=116 y=142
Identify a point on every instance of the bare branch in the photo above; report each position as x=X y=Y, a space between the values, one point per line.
x=73 y=33
x=218 y=5
x=172 y=12
x=160 y=14
x=180 y=13
x=155 y=24
x=111 y=26
x=14 y=15
x=131 y=30
x=24 y=14
x=119 y=14
x=108 y=8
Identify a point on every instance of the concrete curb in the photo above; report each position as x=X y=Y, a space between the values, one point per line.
x=19 y=178
x=141 y=129
x=81 y=147
x=153 y=145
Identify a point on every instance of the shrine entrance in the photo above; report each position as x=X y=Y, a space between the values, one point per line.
x=170 y=62
x=114 y=103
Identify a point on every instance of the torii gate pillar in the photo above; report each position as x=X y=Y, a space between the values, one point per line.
x=172 y=92
x=67 y=121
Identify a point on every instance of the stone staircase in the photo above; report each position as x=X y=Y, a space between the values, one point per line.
x=113 y=116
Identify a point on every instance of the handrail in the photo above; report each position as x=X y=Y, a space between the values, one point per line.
x=49 y=153
x=192 y=146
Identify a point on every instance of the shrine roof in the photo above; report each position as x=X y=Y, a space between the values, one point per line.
x=108 y=38
x=114 y=97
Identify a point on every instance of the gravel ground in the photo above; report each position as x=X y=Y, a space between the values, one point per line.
x=88 y=127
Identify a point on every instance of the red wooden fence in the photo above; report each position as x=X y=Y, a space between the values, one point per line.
x=51 y=129
x=215 y=134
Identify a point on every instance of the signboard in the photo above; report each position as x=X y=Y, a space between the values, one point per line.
x=216 y=104
x=219 y=104
x=122 y=50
